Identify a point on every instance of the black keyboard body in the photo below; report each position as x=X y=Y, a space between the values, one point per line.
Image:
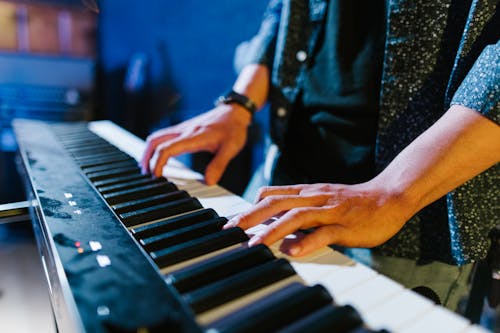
x=106 y=234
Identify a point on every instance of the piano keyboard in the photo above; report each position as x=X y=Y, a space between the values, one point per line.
x=213 y=281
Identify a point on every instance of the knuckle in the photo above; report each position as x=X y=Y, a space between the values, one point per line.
x=270 y=201
x=163 y=149
x=272 y=230
x=324 y=187
x=242 y=221
x=297 y=213
x=262 y=191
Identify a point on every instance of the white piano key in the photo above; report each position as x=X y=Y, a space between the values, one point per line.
x=311 y=272
x=398 y=311
x=201 y=190
x=436 y=321
x=189 y=185
x=118 y=137
x=314 y=268
x=367 y=295
x=324 y=256
x=256 y=229
x=346 y=277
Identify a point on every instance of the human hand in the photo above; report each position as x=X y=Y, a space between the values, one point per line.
x=362 y=215
x=222 y=131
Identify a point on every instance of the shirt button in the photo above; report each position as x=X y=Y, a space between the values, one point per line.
x=301 y=56
x=281 y=112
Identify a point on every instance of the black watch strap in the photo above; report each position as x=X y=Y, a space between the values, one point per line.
x=234 y=97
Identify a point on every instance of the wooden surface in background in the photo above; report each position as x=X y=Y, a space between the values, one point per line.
x=51 y=29
x=42 y=29
x=8 y=27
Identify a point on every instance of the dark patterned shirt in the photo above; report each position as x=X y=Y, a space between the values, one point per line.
x=437 y=53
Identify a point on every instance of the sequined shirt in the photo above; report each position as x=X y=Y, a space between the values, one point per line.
x=437 y=53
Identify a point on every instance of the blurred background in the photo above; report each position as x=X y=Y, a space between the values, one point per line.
x=142 y=64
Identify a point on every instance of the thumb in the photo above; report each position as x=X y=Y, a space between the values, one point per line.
x=218 y=165
x=321 y=237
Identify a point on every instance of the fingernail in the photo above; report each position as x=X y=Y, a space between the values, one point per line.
x=294 y=250
x=255 y=240
x=228 y=225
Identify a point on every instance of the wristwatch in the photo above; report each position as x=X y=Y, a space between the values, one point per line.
x=234 y=97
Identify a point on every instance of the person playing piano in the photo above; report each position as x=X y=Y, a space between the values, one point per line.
x=385 y=115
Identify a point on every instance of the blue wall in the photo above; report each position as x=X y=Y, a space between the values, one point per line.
x=189 y=46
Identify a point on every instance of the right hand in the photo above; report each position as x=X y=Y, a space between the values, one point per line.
x=222 y=131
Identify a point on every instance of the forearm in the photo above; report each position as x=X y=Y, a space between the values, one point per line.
x=253 y=82
x=459 y=146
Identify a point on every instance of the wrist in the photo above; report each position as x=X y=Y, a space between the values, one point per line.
x=234 y=98
x=398 y=194
x=237 y=113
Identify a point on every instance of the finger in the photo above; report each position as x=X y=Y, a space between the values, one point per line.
x=272 y=206
x=267 y=191
x=219 y=163
x=290 y=222
x=321 y=237
x=177 y=146
x=151 y=144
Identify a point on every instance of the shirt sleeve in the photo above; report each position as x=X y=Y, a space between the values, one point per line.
x=480 y=90
x=260 y=49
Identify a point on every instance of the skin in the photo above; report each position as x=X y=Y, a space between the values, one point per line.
x=222 y=130
x=459 y=146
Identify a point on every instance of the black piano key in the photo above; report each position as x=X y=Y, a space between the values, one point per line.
x=100 y=157
x=76 y=131
x=174 y=223
x=129 y=206
x=275 y=311
x=159 y=211
x=139 y=192
x=120 y=179
x=343 y=319
x=86 y=143
x=198 y=247
x=81 y=140
x=130 y=184
x=112 y=158
x=182 y=235
x=99 y=153
x=110 y=166
x=219 y=267
x=89 y=151
x=238 y=285
x=95 y=176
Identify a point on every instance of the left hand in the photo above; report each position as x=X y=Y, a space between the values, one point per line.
x=361 y=215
